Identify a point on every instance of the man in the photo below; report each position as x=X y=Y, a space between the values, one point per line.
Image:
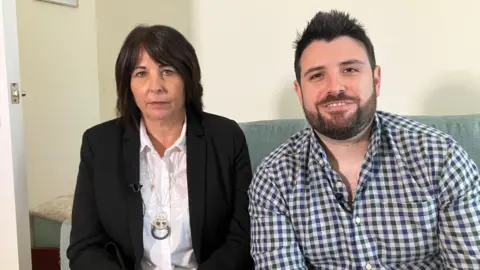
x=360 y=188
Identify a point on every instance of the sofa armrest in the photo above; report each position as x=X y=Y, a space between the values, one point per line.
x=64 y=243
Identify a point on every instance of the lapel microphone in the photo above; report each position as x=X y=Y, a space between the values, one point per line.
x=135 y=187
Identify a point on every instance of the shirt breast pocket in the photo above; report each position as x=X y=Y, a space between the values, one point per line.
x=404 y=231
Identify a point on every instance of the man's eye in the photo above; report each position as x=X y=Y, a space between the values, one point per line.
x=316 y=76
x=350 y=70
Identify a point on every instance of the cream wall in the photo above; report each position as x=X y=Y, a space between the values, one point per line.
x=428 y=51
x=58 y=62
x=115 y=19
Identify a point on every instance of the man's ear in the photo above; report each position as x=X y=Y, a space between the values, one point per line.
x=377 y=79
x=298 y=90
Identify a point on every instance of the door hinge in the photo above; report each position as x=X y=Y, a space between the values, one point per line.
x=15 y=93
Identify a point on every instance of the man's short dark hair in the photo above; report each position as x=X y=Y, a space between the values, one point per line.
x=327 y=26
x=166 y=46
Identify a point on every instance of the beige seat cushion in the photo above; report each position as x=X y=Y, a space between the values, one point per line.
x=58 y=209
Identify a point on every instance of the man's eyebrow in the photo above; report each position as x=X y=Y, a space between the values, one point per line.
x=351 y=62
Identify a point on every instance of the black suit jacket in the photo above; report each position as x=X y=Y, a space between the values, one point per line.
x=107 y=215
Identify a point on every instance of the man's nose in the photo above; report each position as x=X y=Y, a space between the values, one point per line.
x=335 y=84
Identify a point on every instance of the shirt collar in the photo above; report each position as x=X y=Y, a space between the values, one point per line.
x=375 y=137
x=317 y=148
x=146 y=143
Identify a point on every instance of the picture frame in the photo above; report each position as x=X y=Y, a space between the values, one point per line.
x=68 y=3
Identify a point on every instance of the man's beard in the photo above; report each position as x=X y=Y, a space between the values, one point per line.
x=338 y=127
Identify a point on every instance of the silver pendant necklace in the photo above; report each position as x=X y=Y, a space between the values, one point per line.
x=160 y=227
x=160 y=224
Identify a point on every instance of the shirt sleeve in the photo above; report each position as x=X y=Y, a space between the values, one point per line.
x=273 y=243
x=459 y=211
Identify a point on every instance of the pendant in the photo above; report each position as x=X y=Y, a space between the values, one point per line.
x=160 y=224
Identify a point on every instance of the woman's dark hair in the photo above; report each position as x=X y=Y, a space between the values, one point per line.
x=166 y=46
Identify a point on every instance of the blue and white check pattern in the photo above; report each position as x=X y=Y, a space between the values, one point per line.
x=417 y=204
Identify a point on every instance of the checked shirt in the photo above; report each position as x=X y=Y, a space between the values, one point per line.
x=417 y=204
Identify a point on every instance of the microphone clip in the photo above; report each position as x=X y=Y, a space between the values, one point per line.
x=135 y=187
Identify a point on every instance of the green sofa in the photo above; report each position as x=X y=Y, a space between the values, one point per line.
x=265 y=136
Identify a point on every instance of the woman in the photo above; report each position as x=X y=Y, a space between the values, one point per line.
x=164 y=186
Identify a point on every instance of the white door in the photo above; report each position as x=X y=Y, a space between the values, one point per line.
x=14 y=221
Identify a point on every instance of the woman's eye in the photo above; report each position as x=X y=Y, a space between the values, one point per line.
x=140 y=74
x=167 y=71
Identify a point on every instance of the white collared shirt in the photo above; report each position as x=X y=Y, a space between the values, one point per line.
x=176 y=251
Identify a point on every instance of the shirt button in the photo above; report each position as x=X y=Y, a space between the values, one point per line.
x=339 y=184
x=368 y=266
x=357 y=220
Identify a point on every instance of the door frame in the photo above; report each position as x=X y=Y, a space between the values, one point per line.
x=15 y=246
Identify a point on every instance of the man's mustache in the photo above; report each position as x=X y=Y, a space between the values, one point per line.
x=334 y=98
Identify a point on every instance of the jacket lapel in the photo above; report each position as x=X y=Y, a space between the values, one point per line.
x=196 y=164
x=131 y=162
